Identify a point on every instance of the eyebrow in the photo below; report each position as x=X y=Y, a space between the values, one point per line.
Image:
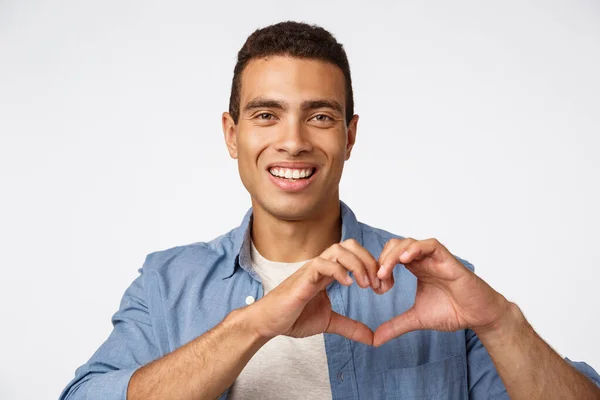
x=314 y=104
x=261 y=102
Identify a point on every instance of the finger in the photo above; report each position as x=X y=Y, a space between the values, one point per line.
x=386 y=283
x=392 y=257
x=389 y=245
x=321 y=267
x=403 y=323
x=349 y=328
x=313 y=278
x=386 y=248
x=367 y=259
x=350 y=261
x=419 y=250
x=385 y=256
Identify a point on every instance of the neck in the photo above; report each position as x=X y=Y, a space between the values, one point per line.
x=292 y=241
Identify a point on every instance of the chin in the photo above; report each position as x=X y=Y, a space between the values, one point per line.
x=290 y=209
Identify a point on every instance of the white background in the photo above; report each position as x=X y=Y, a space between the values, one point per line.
x=479 y=126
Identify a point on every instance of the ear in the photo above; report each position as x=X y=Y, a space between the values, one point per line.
x=230 y=134
x=351 y=135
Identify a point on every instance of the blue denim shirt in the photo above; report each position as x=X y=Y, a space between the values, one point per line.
x=183 y=292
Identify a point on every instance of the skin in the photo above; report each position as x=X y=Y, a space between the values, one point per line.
x=291 y=227
x=450 y=297
x=287 y=117
x=289 y=132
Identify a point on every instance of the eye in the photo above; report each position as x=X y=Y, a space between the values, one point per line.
x=322 y=118
x=265 y=116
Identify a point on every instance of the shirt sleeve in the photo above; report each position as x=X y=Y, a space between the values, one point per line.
x=586 y=370
x=484 y=380
x=130 y=345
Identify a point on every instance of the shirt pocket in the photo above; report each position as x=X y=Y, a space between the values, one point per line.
x=443 y=379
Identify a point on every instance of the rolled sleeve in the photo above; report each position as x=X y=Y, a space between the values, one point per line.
x=99 y=385
x=130 y=345
x=586 y=370
x=484 y=380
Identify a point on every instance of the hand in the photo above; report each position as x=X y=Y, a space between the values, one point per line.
x=449 y=296
x=299 y=306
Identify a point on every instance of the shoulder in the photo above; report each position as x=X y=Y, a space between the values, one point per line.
x=195 y=256
x=374 y=239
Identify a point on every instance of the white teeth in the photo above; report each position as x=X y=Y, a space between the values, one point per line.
x=291 y=173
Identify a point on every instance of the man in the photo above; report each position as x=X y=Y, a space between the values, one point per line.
x=303 y=301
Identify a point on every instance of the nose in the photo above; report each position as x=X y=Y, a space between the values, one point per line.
x=294 y=139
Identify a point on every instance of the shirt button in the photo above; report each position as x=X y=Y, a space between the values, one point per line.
x=249 y=300
x=340 y=376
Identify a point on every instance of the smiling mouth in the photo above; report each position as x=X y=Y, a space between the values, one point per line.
x=292 y=174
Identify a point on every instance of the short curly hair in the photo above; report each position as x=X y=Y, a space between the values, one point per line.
x=295 y=39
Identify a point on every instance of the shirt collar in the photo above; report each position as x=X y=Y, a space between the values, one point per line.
x=241 y=240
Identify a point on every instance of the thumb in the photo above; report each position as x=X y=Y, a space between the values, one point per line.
x=403 y=323
x=350 y=329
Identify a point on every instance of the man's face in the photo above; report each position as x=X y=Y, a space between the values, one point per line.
x=291 y=140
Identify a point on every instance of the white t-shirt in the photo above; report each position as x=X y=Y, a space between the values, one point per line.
x=285 y=367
